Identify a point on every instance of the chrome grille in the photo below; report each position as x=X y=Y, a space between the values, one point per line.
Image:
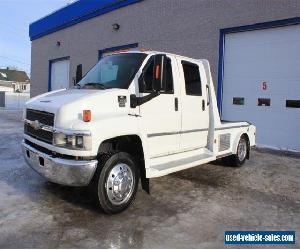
x=39 y=134
x=42 y=117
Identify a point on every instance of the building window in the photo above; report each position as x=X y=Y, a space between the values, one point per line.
x=292 y=103
x=192 y=78
x=263 y=102
x=238 y=101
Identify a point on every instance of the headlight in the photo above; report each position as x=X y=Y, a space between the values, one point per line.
x=81 y=142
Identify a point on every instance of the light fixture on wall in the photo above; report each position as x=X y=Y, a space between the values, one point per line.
x=116 y=26
x=58 y=43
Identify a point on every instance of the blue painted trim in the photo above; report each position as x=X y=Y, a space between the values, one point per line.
x=257 y=26
x=220 y=71
x=49 y=76
x=72 y=14
x=116 y=48
x=50 y=68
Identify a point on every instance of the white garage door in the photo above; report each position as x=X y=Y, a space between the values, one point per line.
x=60 y=74
x=261 y=83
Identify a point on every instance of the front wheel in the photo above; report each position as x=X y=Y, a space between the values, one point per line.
x=116 y=181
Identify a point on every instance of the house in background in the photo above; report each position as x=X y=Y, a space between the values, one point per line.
x=12 y=80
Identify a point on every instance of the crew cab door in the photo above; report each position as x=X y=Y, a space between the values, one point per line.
x=160 y=116
x=194 y=105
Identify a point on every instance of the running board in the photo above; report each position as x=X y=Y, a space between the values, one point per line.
x=164 y=168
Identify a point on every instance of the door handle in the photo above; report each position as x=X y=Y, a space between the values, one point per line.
x=176 y=104
x=207 y=95
x=203 y=105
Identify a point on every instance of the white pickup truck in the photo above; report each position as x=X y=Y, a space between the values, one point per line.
x=134 y=115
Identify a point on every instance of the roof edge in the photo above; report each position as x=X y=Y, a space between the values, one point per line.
x=73 y=14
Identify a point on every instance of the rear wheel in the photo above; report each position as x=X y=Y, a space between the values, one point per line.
x=116 y=181
x=238 y=159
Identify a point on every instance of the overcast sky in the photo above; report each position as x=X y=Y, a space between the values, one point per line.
x=15 y=17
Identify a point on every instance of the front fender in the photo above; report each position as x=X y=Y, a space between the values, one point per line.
x=116 y=126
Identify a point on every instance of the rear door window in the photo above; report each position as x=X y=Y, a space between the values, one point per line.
x=192 y=78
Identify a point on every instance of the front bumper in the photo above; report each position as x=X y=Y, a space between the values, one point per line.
x=58 y=170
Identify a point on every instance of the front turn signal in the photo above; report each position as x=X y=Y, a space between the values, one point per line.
x=87 y=115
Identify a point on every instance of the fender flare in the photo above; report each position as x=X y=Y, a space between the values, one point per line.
x=236 y=142
x=141 y=164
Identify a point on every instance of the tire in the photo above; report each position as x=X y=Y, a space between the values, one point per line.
x=115 y=182
x=238 y=159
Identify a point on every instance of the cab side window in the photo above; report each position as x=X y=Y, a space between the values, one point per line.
x=148 y=74
x=192 y=78
x=146 y=85
x=169 y=77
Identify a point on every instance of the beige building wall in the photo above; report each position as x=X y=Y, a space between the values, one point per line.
x=186 y=27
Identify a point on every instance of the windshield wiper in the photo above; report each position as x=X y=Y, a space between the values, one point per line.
x=95 y=84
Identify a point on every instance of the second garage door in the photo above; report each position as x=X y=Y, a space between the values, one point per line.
x=261 y=83
x=60 y=74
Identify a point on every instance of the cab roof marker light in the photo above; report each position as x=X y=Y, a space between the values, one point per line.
x=128 y=50
x=120 y=51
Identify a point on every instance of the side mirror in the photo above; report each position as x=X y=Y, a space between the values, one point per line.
x=158 y=82
x=133 y=101
x=78 y=73
x=141 y=82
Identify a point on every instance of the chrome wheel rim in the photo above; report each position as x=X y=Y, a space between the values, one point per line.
x=242 y=150
x=120 y=184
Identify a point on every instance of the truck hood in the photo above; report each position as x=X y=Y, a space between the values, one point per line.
x=68 y=105
x=52 y=101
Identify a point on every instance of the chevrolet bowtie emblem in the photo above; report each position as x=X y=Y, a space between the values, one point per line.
x=35 y=124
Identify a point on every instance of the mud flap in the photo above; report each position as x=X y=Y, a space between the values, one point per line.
x=248 y=151
x=145 y=181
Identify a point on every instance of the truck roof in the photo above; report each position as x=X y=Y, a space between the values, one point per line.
x=153 y=52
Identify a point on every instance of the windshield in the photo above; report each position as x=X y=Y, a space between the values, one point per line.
x=114 y=71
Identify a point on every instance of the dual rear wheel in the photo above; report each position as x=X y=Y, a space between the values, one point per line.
x=238 y=159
